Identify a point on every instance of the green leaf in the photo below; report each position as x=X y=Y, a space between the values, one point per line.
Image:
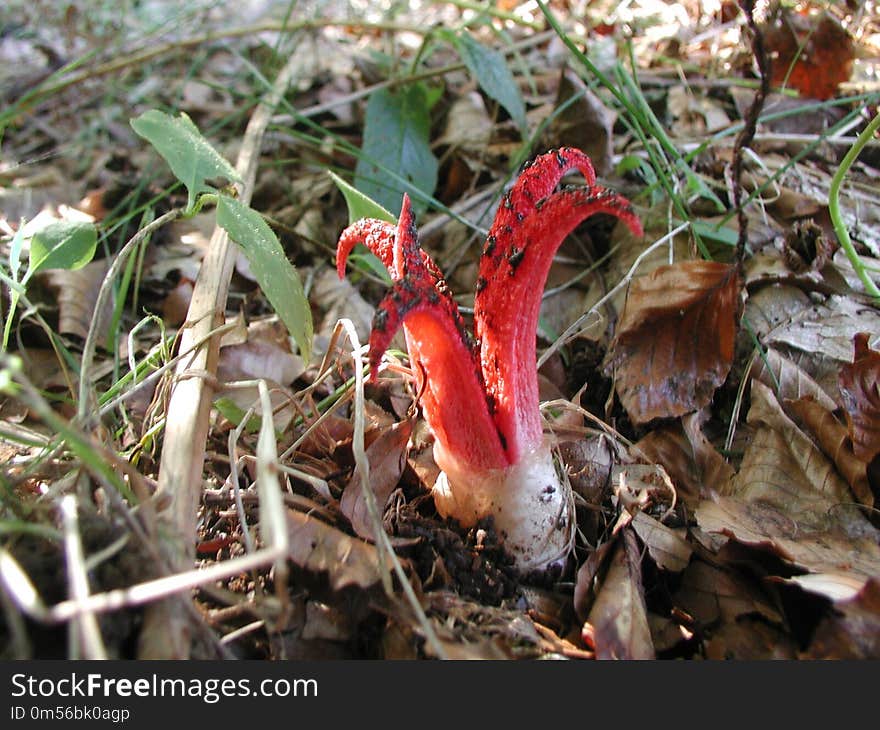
x=230 y=410
x=62 y=245
x=359 y=205
x=191 y=157
x=276 y=276
x=713 y=232
x=397 y=155
x=490 y=69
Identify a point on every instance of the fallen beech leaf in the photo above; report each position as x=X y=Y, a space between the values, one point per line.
x=387 y=457
x=774 y=305
x=833 y=439
x=788 y=379
x=839 y=550
x=713 y=596
x=852 y=631
x=696 y=467
x=782 y=466
x=669 y=550
x=619 y=618
x=828 y=329
x=810 y=55
x=318 y=547
x=860 y=390
x=674 y=343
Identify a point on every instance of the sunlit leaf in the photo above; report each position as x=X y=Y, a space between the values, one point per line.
x=276 y=276
x=62 y=245
x=191 y=157
x=360 y=205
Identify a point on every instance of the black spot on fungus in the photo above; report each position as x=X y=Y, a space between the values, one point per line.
x=515 y=258
x=481 y=284
x=380 y=320
x=490 y=246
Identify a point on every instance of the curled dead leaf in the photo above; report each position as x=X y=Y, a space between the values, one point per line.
x=618 y=620
x=833 y=439
x=860 y=390
x=387 y=458
x=674 y=343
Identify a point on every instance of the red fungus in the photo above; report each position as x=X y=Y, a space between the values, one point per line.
x=481 y=400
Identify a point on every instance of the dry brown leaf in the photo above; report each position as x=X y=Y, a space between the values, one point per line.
x=696 y=467
x=788 y=379
x=833 y=439
x=586 y=123
x=852 y=631
x=694 y=115
x=618 y=620
x=784 y=468
x=259 y=359
x=77 y=296
x=176 y=303
x=771 y=306
x=813 y=54
x=318 y=547
x=387 y=458
x=833 y=586
x=667 y=547
x=860 y=391
x=828 y=329
x=586 y=577
x=589 y=462
x=674 y=343
x=750 y=639
x=845 y=550
x=468 y=124
x=712 y=596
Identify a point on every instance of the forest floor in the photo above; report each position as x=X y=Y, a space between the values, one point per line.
x=184 y=422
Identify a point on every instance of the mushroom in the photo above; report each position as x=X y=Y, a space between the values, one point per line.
x=479 y=394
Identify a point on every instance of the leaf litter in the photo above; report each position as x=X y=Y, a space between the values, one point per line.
x=727 y=466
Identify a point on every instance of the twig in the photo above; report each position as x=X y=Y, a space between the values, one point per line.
x=85 y=632
x=750 y=125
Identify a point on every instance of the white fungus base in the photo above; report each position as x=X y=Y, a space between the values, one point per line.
x=533 y=509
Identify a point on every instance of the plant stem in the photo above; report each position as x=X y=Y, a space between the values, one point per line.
x=834 y=207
